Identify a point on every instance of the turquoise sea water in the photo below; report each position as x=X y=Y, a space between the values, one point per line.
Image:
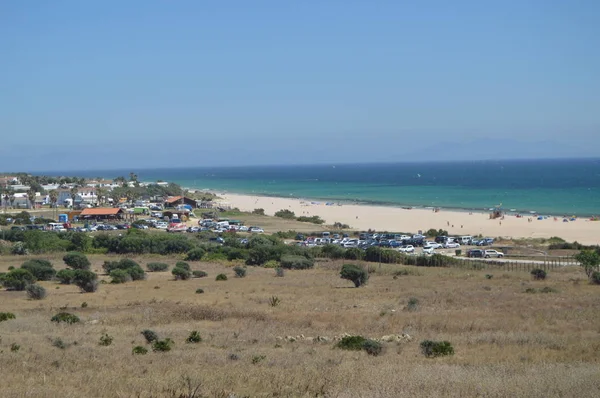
x=547 y=186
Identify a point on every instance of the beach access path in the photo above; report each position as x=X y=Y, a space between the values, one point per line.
x=396 y=219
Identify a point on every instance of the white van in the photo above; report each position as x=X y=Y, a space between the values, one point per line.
x=58 y=227
x=465 y=240
x=222 y=224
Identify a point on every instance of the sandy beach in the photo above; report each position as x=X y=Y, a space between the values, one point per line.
x=383 y=218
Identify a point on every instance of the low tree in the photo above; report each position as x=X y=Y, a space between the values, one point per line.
x=36 y=292
x=17 y=279
x=285 y=213
x=354 y=273
x=589 y=260
x=41 y=269
x=86 y=280
x=77 y=260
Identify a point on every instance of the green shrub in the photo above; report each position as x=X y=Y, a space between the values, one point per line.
x=595 y=278
x=240 y=272
x=354 y=253
x=199 y=274
x=272 y=264
x=353 y=343
x=65 y=276
x=181 y=273
x=530 y=290
x=162 y=345
x=17 y=279
x=120 y=276
x=372 y=347
x=258 y=358
x=194 y=337
x=149 y=335
x=259 y=212
x=413 y=304
x=296 y=262
x=221 y=277
x=195 y=254
x=77 y=260
x=41 y=269
x=489 y=276
x=87 y=281
x=14 y=347
x=5 y=316
x=105 y=340
x=354 y=273
x=237 y=254
x=333 y=251
x=274 y=301
x=124 y=263
x=312 y=219
x=136 y=273
x=285 y=213
x=432 y=349
x=279 y=272
x=157 y=267
x=215 y=256
x=183 y=265
x=84 y=304
x=10 y=268
x=548 y=289
x=58 y=343
x=199 y=291
x=36 y=292
x=65 y=317
x=538 y=274
x=139 y=350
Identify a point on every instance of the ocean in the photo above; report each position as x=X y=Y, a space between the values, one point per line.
x=558 y=187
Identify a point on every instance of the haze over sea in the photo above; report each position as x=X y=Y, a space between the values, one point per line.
x=560 y=187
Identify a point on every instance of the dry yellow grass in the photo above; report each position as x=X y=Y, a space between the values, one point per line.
x=508 y=343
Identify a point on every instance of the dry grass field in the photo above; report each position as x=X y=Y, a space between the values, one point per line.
x=507 y=343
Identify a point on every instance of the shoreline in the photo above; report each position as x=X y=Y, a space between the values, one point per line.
x=398 y=219
x=341 y=201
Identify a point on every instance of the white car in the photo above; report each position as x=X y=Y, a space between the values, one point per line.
x=243 y=228
x=257 y=230
x=162 y=225
x=431 y=245
x=407 y=249
x=451 y=245
x=404 y=237
x=492 y=253
x=429 y=250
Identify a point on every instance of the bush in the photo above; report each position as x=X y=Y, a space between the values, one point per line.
x=538 y=274
x=182 y=264
x=296 y=262
x=105 y=340
x=333 y=251
x=136 y=273
x=221 y=277
x=354 y=253
x=41 y=269
x=237 y=254
x=195 y=254
x=352 y=343
x=17 y=279
x=120 y=276
x=199 y=274
x=5 y=316
x=14 y=347
x=240 y=272
x=279 y=272
x=87 y=281
x=259 y=212
x=84 y=304
x=65 y=317
x=36 y=292
x=65 y=276
x=354 y=273
x=77 y=260
x=274 y=301
x=139 y=350
x=312 y=219
x=432 y=349
x=181 y=273
x=58 y=343
x=194 y=337
x=373 y=347
x=157 y=267
x=149 y=335
x=162 y=345
x=548 y=289
x=595 y=278
x=199 y=291
x=413 y=304
x=285 y=213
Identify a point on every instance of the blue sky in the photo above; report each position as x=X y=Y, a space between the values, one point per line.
x=111 y=84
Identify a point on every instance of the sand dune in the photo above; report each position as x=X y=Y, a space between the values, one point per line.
x=382 y=218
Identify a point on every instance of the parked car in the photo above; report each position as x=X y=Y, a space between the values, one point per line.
x=177 y=227
x=193 y=229
x=476 y=253
x=493 y=253
x=432 y=245
x=441 y=239
x=451 y=245
x=162 y=225
x=256 y=230
x=428 y=250
x=243 y=228
x=407 y=249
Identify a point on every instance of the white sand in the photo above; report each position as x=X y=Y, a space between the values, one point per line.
x=382 y=218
